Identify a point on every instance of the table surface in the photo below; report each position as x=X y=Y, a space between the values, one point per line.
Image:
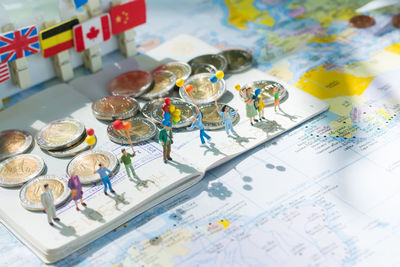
x=326 y=193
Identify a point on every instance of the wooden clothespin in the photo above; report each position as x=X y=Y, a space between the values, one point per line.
x=61 y=61
x=92 y=56
x=18 y=68
x=126 y=39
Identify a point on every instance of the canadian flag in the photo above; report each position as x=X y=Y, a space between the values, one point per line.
x=92 y=32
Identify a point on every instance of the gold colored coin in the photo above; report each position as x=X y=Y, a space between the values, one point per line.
x=35 y=190
x=18 y=169
x=161 y=81
x=211 y=115
x=60 y=132
x=139 y=128
x=114 y=105
x=11 y=142
x=204 y=89
x=86 y=165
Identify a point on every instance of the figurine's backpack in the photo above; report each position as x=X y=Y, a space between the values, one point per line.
x=256 y=101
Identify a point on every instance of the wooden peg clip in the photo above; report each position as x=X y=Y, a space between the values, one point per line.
x=18 y=68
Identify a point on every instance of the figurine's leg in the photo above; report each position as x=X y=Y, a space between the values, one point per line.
x=227 y=127
x=202 y=137
x=49 y=217
x=109 y=184
x=205 y=134
x=127 y=170
x=169 y=151
x=105 y=184
x=165 y=150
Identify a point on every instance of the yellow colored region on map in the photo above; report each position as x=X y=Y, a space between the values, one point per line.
x=347 y=34
x=324 y=84
x=394 y=48
x=242 y=12
x=282 y=73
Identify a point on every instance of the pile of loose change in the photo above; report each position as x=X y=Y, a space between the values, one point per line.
x=151 y=88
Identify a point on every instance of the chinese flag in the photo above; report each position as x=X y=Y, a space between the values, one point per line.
x=127 y=15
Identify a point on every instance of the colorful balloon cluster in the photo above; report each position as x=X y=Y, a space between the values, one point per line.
x=218 y=76
x=170 y=112
x=126 y=126
x=90 y=139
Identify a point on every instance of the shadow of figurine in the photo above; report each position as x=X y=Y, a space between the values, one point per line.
x=119 y=199
x=210 y=148
x=240 y=139
x=64 y=229
x=269 y=127
x=290 y=117
x=93 y=215
x=183 y=168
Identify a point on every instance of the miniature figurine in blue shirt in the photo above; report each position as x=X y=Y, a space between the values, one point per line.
x=227 y=117
x=197 y=122
x=104 y=172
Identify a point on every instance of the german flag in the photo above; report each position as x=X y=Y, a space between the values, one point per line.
x=58 y=38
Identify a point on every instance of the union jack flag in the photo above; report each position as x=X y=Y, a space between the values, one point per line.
x=20 y=43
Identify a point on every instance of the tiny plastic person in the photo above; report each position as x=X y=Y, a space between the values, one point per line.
x=126 y=160
x=47 y=200
x=260 y=104
x=198 y=123
x=104 y=175
x=165 y=137
x=276 y=92
x=76 y=190
x=227 y=117
x=248 y=98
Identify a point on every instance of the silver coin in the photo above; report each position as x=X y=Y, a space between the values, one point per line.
x=148 y=107
x=212 y=120
x=181 y=70
x=14 y=142
x=187 y=113
x=112 y=108
x=238 y=60
x=133 y=83
x=204 y=90
x=70 y=151
x=30 y=193
x=267 y=88
x=164 y=82
x=60 y=134
x=218 y=61
x=17 y=170
x=142 y=130
x=86 y=163
x=203 y=68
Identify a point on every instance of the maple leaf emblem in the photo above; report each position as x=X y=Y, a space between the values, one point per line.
x=93 y=32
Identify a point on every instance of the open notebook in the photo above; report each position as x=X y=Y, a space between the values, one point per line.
x=191 y=160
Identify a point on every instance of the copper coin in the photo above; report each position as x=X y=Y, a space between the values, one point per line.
x=362 y=21
x=396 y=21
x=133 y=83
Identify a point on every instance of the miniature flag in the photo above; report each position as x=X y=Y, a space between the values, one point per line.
x=4 y=72
x=79 y=3
x=128 y=15
x=18 y=44
x=92 y=32
x=57 y=38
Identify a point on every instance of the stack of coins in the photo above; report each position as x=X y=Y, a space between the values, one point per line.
x=14 y=142
x=17 y=170
x=31 y=192
x=86 y=163
x=112 y=108
x=142 y=130
x=62 y=138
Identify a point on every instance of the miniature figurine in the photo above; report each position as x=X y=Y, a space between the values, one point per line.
x=48 y=203
x=276 y=92
x=227 y=117
x=76 y=190
x=104 y=172
x=248 y=98
x=165 y=137
x=126 y=160
x=197 y=122
x=259 y=104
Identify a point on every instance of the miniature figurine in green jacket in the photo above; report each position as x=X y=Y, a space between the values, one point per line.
x=165 y=137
